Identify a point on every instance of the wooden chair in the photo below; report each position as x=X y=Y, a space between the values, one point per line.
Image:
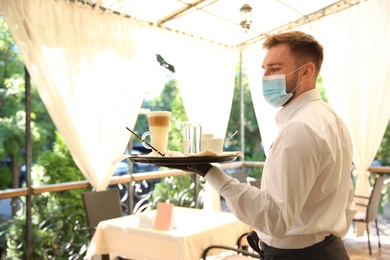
x=371 y=209
x=101 y=205
x=240 y=175
x=241 y=252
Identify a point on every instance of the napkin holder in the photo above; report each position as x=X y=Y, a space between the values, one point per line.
x=147 y=219
x=165 y=219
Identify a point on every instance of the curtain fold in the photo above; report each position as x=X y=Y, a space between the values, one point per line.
x=205 y=73
x=81 y=62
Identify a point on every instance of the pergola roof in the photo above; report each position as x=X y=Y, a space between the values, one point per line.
x=219 y=20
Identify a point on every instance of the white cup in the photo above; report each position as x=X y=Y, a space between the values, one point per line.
x=159 y=122
x=205 y=136
x=212 y=144
x=202 y=140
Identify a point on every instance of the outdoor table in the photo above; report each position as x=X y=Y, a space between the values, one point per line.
x=196 y=230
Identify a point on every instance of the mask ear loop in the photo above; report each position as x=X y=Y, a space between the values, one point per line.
x=295 y=70
x=292 y=92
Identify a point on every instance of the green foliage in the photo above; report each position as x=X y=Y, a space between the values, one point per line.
x=11 y=135
x=10 y=59
x=321 y=89
x=384 y=149
x=12 y=108
x=51 y=210
x=179 y=190
x=5 y=177
x=58 y=164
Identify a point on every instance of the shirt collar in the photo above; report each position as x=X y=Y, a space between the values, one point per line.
x=286 y=112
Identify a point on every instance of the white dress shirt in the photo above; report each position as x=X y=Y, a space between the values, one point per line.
x=306 y=191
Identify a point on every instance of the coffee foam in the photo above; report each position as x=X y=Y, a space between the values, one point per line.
x=159 y=120
x=159 y=113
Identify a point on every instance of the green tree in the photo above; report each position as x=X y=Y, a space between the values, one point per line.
x=11 y=115
x=10 y=60
x=53 y=212
x=5 y=176
x=12 y=109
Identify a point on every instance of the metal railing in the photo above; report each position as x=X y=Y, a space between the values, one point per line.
x=62 y=233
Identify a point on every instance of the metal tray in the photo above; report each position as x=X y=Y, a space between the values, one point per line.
x=182 y=160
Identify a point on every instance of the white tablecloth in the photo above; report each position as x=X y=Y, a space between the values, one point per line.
x=196 y=230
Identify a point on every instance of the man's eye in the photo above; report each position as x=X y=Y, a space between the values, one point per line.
x=275 y=70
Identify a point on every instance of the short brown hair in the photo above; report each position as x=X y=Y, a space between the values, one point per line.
x=303 y=46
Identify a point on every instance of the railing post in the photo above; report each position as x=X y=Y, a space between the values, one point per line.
x=196 y=190
x=242 y=109
x=29 y=243
x=130 y=187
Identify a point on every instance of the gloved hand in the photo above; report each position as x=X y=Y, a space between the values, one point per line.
x=201 y=169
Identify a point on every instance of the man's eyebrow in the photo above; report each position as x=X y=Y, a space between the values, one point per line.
x=272 y=64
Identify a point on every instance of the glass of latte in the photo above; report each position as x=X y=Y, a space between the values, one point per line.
x=159 y=122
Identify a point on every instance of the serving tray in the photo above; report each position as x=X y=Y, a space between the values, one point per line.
x=182 y=160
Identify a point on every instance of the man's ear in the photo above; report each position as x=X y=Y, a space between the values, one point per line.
x=308 y=71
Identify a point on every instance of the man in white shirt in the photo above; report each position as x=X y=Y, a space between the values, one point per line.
x=305 y=204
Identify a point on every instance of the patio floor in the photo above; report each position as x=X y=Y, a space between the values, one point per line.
x=357 y=247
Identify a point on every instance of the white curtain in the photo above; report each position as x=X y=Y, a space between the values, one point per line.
x=80 y=61
x=206 y=77
x=356 y=76
x=205 y=73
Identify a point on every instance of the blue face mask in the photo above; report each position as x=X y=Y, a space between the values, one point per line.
x=274 y=89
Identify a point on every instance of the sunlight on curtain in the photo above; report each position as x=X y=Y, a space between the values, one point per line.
x=356 y=77
x=206 y=77
x=80 y=61
x=265 y=114
x=205 y=74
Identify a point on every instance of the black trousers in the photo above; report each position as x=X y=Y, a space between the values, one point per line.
x=331 y=248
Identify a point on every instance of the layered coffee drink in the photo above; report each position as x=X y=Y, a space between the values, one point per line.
x=159 y=122
x=158 y=118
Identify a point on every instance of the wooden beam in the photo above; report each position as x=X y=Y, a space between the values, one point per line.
x=179 y=11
